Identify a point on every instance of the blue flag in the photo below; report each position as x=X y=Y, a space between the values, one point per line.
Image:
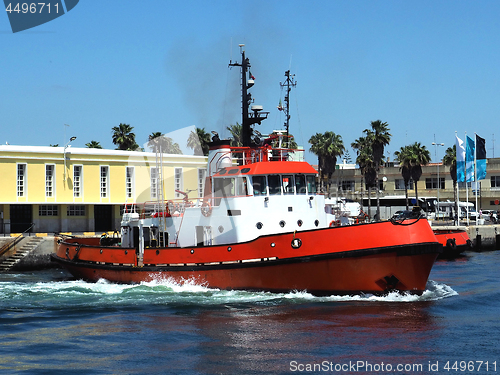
x=480 y=158
x=460 y=160
x=469 y=160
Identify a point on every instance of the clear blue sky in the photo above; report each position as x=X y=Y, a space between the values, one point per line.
x=425 y=67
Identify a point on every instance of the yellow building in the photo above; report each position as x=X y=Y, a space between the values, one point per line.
x=66 y=189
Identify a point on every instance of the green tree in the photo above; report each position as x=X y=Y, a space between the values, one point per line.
x=124 y=138
x=404 y=158
x=379 y=137
x=327 y=147
x=93 y=144
x=165 y=145
x=411 y=159
x=364 y=159
x=236 y=137
x=198 y=141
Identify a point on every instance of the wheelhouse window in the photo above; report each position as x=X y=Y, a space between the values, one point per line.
x=259 y=185
x=241 y=186
x=274 y=184
x=300 y=184
x=311 y=184
x=288 y=184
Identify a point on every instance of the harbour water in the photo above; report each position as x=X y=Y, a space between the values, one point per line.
x=53 y=324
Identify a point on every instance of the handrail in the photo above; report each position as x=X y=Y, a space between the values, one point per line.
x=14 y=242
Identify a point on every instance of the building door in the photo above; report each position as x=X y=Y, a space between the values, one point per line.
x=21 y=217
x=103 y=218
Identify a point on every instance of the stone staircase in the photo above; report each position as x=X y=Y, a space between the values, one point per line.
x=23 y=248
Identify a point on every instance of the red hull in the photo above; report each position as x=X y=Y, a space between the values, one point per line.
x=371 y=258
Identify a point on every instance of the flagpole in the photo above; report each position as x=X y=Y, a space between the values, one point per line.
x=466 y=186
x=457 y=203
x=475 y=174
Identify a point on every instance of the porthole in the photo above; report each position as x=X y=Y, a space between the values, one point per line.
x=221 y=229
x=282 y=223
x=101 y=251
x=229 y=248
x=299 y=223
x=192 y=251
x=316 y=222
x=273 y=244
x=296 y=243
x=259 y=225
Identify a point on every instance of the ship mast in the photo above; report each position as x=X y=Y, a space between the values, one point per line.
x=248 y=118
x=289 y=83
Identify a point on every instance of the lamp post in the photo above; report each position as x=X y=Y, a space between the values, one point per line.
x=64 y=153
x=438 y=182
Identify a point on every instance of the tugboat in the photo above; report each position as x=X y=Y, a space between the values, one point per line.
x=260 y=226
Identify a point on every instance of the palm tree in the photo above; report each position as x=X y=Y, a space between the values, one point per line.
x=364 y=159
x=165 y=145
x=124 y=138
x=93 y=144
x=422 y=157
x=236 y=135
x=450 y=160
x=379 y=137
x=327 y=147
x=403 y=156
x=198 y=141
x=411 y=159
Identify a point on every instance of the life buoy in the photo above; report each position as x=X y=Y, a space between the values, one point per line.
x=206 y=209
x=332 y=223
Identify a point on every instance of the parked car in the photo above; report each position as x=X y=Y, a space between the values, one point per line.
x=490 y=215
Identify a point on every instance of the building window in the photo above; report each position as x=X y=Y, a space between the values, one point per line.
x=347 y=185
x=76 y=210
x=49 y=180
x=178 y=182
x=129 y=183
x=432 y=183
x=77 y=181
x=104 y=181
x=48 y=210
x=399 y=184
x=154 y=182
x=21 y=180
x=202 y=174
x=495 y=181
